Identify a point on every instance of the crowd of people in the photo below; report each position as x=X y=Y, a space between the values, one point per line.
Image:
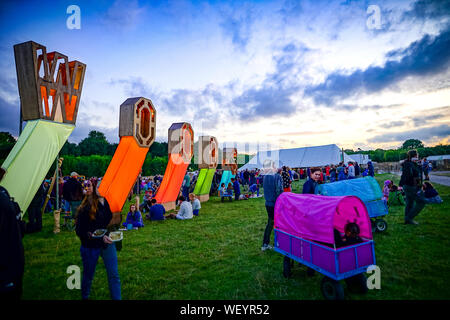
x=79 y=197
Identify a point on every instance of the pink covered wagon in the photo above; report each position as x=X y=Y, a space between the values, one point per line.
x=305 y=232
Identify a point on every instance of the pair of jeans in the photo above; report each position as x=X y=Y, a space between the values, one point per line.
x=185 y=193
x=269 y=226
x=413 y=204
x=90 y=258
x=35 y=219
x=74 y=207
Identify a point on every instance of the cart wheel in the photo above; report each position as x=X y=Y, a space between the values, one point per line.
x=381 y=225
x=332 y=289
x=357 y=284
x=287 y=267
x=374 y=226
x=310 y=272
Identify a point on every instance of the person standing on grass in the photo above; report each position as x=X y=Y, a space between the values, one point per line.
x=286 y=180
x=273 y=187
x=411 y=183
x=73 y=192
x=351 y=171
x=357 y=170
x=370 y=169
x=186 y=185
x=311 y=184
x=94 y=213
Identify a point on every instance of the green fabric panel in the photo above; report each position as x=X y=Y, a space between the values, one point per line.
x=206 y=187
x=24 y=136
x=31 y=158
x=200 y=180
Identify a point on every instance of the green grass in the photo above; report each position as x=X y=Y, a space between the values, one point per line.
x=217 y=256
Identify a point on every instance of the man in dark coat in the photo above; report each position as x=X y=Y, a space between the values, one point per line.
x=73 y=192
x=411 y=181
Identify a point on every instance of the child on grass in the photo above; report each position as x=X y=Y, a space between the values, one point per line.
x=196 y=206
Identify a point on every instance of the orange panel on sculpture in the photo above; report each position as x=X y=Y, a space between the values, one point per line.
x=122 y=172
x=173 y=179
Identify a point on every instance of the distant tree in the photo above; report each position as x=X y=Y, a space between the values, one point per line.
x=7 y=142
x=412 y=144
x=70 y=149
x=95 y=143
x=159 y=149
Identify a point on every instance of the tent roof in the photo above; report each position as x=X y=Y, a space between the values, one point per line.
x=299 y=157
x=314 y=217
x=360 y=158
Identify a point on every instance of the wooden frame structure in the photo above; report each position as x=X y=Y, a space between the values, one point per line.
x=49 y=84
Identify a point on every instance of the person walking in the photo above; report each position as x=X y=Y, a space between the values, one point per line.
x=94 y=213
x=273 y=187
x=410 y=181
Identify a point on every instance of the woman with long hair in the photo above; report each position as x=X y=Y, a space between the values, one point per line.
x=93 y=214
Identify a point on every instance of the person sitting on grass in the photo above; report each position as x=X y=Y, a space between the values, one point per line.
x=196 y=206
x=224 y=192
x=146 y=201
x=134 y=218
x=185 y=211
x=254 y=188
x=156 y=211
x=431 y=195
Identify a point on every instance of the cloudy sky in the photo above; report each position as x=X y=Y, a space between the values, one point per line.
x=285 y=73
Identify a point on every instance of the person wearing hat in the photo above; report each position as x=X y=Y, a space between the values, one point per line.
x=73 y=192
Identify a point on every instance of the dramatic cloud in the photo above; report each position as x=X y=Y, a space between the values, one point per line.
x=441 y=131
x=123 y=15
x=237 y=26
x=430 y=55
x=9 y=117
x=393 y=124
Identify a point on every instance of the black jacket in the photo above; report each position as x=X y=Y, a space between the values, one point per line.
x=85 y=226
x=72 y=190
x=410 y=174
x=309 y=187
x=12 y=257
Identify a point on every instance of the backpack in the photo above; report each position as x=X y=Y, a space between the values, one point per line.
x=6 y=201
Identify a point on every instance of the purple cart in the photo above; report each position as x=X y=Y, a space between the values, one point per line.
x=304 y=232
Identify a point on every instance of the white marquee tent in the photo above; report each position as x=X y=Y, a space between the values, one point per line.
x=361 y=158
x=299 y=157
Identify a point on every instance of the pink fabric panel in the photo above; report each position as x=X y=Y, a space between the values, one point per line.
x=313 y=217
x=352 y=209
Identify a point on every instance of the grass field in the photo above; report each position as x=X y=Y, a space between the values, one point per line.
x=217 y=256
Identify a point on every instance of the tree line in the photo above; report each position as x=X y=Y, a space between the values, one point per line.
x=394 y=155
x=93 y=154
